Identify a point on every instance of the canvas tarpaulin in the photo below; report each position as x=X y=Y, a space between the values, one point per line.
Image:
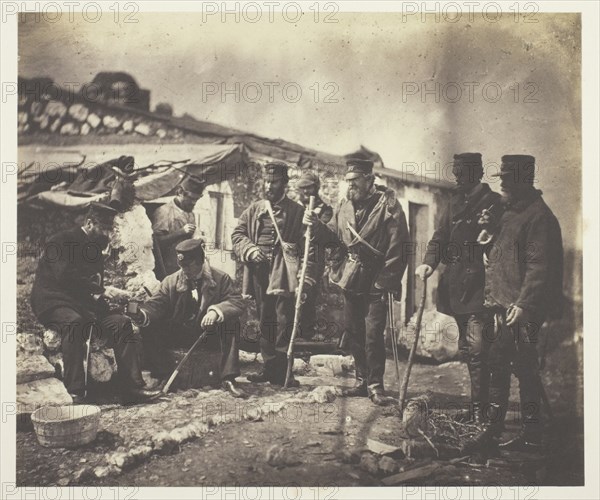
x=45 y=173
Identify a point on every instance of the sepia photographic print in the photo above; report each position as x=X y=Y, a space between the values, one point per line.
x=299 y=250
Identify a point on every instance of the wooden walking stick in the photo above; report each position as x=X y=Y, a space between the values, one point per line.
x=165 y=389
x=290 y=352
x=413 y=348
x=394 y=339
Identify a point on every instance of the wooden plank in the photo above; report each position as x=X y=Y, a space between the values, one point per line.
x=411 y=475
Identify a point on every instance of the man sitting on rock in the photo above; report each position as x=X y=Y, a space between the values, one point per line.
x=68 y=296
x=191 y=300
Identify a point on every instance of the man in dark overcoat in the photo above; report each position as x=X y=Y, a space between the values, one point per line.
x=368 y=265
x=524 y=279
x=460 y=290
x=68 y=295
x=194 y=298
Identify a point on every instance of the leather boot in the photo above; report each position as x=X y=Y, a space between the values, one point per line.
x=358 y=390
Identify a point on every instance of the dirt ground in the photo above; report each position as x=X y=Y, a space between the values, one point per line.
x=310 y=438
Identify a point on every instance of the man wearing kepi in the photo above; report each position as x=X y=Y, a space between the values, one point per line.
x=460 y=290
x=372 y=227
x=307 y=186
x=524 y=277
x=68 y=295
x=174 y=222
x=269 y=239
x=195 y=298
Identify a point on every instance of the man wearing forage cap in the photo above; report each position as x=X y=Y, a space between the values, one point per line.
x=69 y=296
x=369 y=265
x=460 y=289
x=523 y=288
x=308 y=185
x=174 y=221
x=194 y=298
x=271 y=265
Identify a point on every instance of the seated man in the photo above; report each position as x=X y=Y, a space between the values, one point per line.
x=68 y=296
x=194 y=298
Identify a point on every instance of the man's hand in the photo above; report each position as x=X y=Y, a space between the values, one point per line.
x=189 y=229
x=111 y=292
x=310 y=218
x=257 y=256
x=424 y=271
x=210 y=318
x=515 y=315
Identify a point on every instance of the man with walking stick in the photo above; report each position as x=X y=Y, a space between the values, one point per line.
x=368 y=268
x=194 y=299
x=460 y=291
x=524 y=277
x=69 y=296
x=268 y=240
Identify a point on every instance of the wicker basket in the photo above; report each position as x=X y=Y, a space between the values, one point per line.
x=66 y=426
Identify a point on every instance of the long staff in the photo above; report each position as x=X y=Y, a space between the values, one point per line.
x=413 y=348
x=290 y=352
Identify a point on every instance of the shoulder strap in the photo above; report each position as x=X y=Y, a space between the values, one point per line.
x=363 y=241
x=272 y=215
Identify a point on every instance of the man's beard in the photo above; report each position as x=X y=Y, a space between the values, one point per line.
x=356 y=194
x=273 y=195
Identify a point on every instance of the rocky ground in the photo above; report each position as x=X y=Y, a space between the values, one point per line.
x=308 y=436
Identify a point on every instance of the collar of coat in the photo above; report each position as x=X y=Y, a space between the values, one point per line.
x=387 y=202
x=208 y=281
x=464 y=203
x=262 y=209
x=523 y=203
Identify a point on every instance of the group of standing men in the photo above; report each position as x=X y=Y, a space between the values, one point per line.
x=502 y=279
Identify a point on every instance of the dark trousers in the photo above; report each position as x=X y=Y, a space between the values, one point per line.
x=115 y=330
x=513 y=349
x=308 y=314
x=162 y=336
x=474 y=334
x=365 y=318
x=276 y=317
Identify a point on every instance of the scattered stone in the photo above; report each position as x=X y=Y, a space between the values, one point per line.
x=127 y=126
x=349 y=456
x=22 y=118
x=94 y=120
x=33 y=367
x=79 y=112
x=369 y=463
x=335 y=365
x=280 y=456
x=105 y=471
x=44 y=122
x=142 y=129
x=312 y=443
x=83 y=474
x=37 y=108
x=300 y=367
x=324 y=394
x=388 y=466
x=381 y=448
x=111 y=122
x=63 y=481
x=411 y=475
x=29 y=343
x=161 y=133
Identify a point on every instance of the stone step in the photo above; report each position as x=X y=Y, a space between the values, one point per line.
x=32 y=367
x=33 y=395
